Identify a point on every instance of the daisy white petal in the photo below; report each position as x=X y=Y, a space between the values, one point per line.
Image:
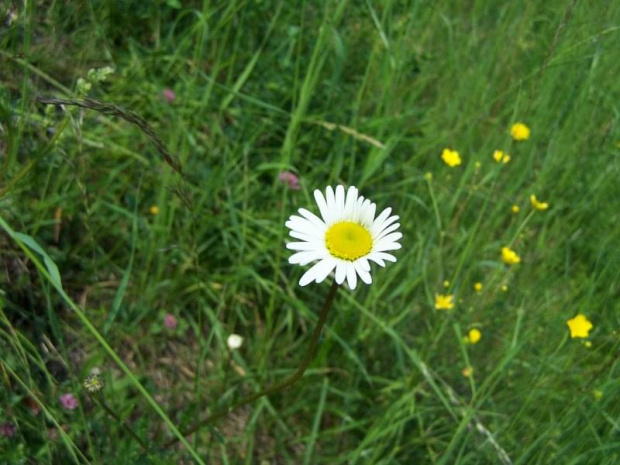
x=367 y=214
x=388 y=230
x=382 y=256
x=297 y=223
x=387 y=246
x=378 y=227
x=363 y=274
x=341 y=272
x=318 y=272
x=351 y=276
x=302 y=235
x=330 y=197
x=382 y=217
x=391 y=237
x=378 y=260
x=302 y=246
x=305 y=257
x=322 y=204
x=350 y=203
x=315 y=220
x=340 y=198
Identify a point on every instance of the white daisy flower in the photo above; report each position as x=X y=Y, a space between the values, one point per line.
x=346 y=238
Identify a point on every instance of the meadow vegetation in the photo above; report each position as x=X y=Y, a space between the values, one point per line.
x=130 y=264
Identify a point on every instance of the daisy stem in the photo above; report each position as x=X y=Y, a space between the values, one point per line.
x=276 y=387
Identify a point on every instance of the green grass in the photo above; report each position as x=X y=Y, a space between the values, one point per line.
x=357 y=93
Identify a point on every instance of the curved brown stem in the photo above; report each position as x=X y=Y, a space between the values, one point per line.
x=277 y=387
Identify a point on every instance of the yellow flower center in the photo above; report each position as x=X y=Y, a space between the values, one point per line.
x=348 y=241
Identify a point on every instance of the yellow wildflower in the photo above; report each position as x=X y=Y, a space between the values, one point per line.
x=154 y=210
x=520 y=131
x=537 y=204
x=474 y=336
x=515 y=209
x=451 y=157
x=498 y=156
x=510 y=257
x=444 y=302
x=504 y=288
x=467 y=371
x=478 y=287
x=579 y=326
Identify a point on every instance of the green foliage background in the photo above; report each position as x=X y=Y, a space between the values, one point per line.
x=358 y=93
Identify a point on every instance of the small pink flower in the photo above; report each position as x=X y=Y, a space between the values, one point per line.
x=169 y=95
x=291 y=179
x=170 y=321
x=7 y=429
x=68 y=401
